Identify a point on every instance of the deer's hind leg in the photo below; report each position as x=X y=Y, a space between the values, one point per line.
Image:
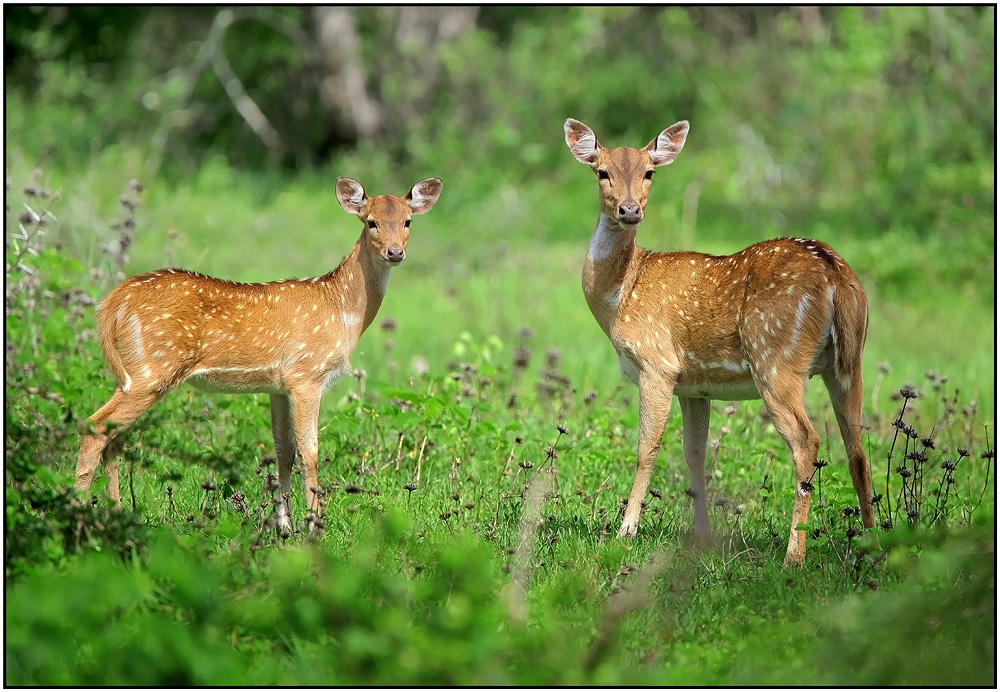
x=847 y=407
x=784 y=401
x=121 y=411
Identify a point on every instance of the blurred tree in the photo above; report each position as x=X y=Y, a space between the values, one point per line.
x=355 y=113
x=97 y=35
x=357 y=88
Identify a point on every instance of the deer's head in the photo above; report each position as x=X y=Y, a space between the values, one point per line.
x=624 y=173
x=387 y=217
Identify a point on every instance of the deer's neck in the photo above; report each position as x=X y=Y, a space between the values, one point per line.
x=358 y=286
x=610 y=269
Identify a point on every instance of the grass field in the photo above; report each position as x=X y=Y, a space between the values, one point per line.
x=468 y=539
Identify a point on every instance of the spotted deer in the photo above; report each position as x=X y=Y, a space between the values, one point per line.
x=290 y=339
x=752 y=325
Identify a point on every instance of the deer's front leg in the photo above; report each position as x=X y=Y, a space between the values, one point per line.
x=305 y=413
x=654 y=407
x=282 y=430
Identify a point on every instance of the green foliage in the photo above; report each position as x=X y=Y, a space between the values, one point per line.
x=938 y=628
x=398 y=608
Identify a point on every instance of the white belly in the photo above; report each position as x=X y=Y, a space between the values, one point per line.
x=236 y=381
x=734 y=391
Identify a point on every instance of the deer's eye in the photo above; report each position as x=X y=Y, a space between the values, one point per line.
x=407 y=223
x=371 y=224
x=603 y=175
x=649 y=175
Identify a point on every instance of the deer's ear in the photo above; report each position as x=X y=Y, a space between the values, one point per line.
x=668 y=144
x=424 y=195
x=582 y=141
x=351 y=195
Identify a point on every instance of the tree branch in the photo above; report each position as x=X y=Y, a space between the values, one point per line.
x=245 y=105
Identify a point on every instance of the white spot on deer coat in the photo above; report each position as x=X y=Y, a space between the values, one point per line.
x=137 y=349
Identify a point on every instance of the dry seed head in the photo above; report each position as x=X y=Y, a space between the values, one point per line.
x=552 y=357
x=36 y=191
x=522 y=356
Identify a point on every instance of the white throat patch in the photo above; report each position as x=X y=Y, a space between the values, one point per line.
x=603 y=240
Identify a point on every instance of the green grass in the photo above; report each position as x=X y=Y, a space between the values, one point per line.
x=413 y=586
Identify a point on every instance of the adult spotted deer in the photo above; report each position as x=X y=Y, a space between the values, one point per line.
x=291 y=339
x=753 y=325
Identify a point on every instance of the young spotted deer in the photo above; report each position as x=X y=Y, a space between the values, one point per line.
x=291 y=339
x=753 y=325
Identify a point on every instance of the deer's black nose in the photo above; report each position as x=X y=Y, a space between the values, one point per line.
x=395 y=253
x=629 y=213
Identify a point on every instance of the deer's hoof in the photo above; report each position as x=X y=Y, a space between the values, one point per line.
x=628 y=530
